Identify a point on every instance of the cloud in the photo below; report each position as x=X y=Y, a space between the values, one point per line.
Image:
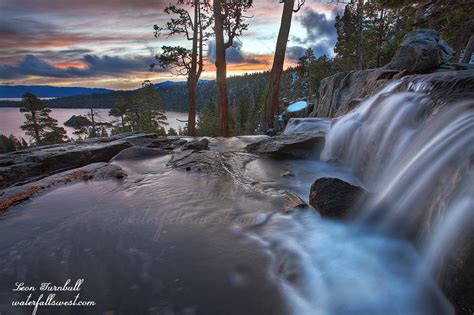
x=320 y=35
x=83 y=5
x=317 y=25
x=295 y=52
x=234 y=55
x=92 y=66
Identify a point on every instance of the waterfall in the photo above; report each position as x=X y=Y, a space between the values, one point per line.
x=416 y=155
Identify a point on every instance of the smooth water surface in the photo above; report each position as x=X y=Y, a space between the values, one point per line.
x=11 y=119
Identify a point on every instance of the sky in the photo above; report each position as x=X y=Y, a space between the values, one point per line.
x=110 y=43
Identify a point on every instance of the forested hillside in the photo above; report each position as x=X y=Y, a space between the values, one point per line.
x=173 y=96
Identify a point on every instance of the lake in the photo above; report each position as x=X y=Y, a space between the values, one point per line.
x=11 y=119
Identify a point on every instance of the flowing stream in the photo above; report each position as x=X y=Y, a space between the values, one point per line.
x=170 y=242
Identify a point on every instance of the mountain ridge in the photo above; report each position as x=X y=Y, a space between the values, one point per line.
x=17 y=91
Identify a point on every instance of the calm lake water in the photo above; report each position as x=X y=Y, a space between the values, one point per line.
x=11 y=119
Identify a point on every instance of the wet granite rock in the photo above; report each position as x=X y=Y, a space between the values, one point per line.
x=333 y=197
x=421 y=51
x=337 y=91
x=168 y=143
x=198 y=145
x=301 y=145
x=32 y=164
x=203 y=161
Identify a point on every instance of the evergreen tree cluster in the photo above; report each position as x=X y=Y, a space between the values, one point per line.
x=385 y=23
x=140 y=112
x=11 y=143
x=39 y=125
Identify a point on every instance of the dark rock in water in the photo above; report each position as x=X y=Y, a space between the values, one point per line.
x=455 y=273
x=198 y=145
x=104 y=171
x=301 y=145
x=333 y=197
x=421 y=51
x=78 y=122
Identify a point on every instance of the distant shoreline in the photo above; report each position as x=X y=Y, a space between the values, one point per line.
x=17 y=104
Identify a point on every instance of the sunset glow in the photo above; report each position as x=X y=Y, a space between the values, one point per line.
x=110 y=43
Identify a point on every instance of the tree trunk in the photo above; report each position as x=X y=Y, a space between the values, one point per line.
x=360 y=62
x=193 y=73
x=468 y=50
x=221 y=71
x=123 y=122
x=93 y=131
x=272 y=102
x=35 y=127
x=192 y=106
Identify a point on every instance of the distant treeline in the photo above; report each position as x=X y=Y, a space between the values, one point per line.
x=173 y=97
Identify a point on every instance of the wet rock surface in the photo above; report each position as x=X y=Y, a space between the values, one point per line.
x=333 y=197
x=300 y=145
x=337 y=91
x=94 y=171
x=197 y=145
x=168 y=143
x=27 y=165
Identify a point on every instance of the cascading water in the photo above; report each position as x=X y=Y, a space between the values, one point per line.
x=414 y=161
x=417 y=159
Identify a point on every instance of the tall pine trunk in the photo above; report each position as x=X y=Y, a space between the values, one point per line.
x=192 y=78
x=272 y=103
x=192 y=106
x=221 y=71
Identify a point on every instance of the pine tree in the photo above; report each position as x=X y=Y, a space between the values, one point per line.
x=144 y=112
x=182 y=61
x=120 y=109
x=208 y=124
x=172 y=132
x=272 y=104
x=11 y=143
x=39 y=124
x=346 y=45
